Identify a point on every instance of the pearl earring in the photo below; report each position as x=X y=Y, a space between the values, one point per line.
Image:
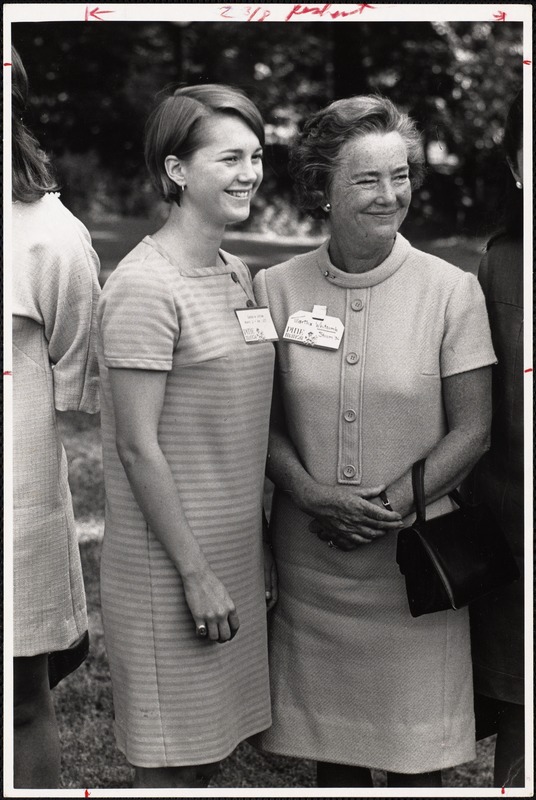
x=519 y=184
x=327 y=207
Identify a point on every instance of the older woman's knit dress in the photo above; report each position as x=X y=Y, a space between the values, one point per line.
x=355 y=679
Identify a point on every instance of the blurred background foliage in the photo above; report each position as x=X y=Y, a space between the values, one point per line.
x=93 y=85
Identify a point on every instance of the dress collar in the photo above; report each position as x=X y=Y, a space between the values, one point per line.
x=361 y=280
x=223 y=266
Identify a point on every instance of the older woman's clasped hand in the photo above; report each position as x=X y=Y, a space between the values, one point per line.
x=348 y=516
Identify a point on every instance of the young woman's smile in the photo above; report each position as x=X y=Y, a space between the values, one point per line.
x=224 y=174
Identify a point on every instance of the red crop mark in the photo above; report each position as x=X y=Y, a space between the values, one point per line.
x=503 y=790
x=7 y=372
x=87 y=793
x=529 y=369
x=94 y=13
x=500 y=16
x=7 y=64
x=527 y=62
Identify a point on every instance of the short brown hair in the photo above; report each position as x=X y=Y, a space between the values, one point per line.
x=173 y=127
x=315 y=152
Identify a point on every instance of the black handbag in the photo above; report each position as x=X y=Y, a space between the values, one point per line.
x=62 y=662
x=451 y=560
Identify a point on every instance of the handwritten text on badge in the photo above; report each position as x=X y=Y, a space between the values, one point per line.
x=256 y=324
x=303 y=328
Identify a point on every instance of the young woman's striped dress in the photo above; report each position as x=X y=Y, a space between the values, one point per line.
x=179 y=700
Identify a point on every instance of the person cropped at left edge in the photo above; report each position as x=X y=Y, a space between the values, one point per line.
x=55 y=293
x=185 y=411
x=397 y=369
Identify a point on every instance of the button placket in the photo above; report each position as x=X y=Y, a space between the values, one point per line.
x=249 y=302
x=349 y=467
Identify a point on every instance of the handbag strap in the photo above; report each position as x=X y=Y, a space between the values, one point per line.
x=417 y=480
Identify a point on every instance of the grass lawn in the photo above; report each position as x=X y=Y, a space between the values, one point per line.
x=84 y=700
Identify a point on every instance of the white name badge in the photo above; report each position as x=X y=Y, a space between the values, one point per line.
x=257 y=325
x=304 y=328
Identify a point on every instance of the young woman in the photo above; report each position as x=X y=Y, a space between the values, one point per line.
x=185 y=407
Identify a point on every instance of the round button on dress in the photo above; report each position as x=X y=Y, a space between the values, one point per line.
x=350 y=416
x=352 y=358
x=357 y=305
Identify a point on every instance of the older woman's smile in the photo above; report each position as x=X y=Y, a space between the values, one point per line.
x=369 y=194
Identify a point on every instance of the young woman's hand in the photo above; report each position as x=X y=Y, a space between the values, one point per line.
x=211 y=606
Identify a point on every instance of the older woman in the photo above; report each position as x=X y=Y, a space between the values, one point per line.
x=185 y=412
x=400 y=371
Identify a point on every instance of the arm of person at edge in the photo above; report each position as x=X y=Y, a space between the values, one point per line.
x=344 y=513
x=138 y=398
x=270 y=570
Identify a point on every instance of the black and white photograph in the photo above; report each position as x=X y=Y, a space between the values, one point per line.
x=268 y=512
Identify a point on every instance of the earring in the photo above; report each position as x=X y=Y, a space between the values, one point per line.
x=519 y=184
x=181 y=189
x=327 y=207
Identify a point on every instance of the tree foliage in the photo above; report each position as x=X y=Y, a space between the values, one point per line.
x=92 y=86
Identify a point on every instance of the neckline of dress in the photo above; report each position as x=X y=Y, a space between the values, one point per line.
x=362 y=280
x=222 y=266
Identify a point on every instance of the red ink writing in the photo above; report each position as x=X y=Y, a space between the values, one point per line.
x=252 y=15
x=500 y=16
x=250 y=12
x=94 y=13
x=320 y=11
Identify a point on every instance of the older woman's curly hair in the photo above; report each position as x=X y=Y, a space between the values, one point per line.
x=314 y=155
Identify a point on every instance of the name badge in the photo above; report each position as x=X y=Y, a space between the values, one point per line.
x=256 y=324
x=304 y=328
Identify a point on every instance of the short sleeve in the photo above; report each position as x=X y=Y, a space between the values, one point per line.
x=65 y=291
x=138 y=319
x=466 y=341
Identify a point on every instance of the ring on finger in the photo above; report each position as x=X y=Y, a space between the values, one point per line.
x=331 y=543
x=201 y=630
